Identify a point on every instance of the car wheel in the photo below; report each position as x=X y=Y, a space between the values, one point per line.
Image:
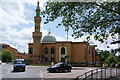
x=50 y=71
x=23 y=70
x=14 y=70
x=63 y=70
x=56 y=70
x=69 y=70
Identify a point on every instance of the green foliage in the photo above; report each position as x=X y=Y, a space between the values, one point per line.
x=104 y=55
x=111 y=59
x=119 y=58
x=108 y=57
x=6 y=56
x=97 y=18
x=118 y=62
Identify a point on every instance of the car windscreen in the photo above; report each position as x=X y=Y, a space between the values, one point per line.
x=58 y=64
x=19 y=62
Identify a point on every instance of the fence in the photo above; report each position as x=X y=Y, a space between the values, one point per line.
x=99 y=74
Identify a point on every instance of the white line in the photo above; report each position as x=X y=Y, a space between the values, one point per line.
x=41 y=75
x=8 y=71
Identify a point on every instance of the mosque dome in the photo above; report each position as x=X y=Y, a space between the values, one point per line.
x=49 y=38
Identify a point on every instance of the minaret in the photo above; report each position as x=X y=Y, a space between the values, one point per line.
x=37 y=34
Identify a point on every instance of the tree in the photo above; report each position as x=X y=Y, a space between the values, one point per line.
x=6 y=56
x=104 y=55
x=111 y=59
x=117 y=49
x=119 y=58
x=99 y=19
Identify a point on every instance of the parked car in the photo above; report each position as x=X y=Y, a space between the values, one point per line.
x=62 y=66
x=19 y=65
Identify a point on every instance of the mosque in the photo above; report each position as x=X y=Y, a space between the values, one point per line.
x=48 y=49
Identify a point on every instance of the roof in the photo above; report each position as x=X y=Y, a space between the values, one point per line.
x=49 y=38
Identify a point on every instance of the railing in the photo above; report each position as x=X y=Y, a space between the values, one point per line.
x=100 y=73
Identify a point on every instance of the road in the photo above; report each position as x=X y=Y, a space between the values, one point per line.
x=39 y=72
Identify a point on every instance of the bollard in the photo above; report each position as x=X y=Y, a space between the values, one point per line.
x=116 y=69
x=105 y=73
x=96 y=73
x=92 y=75
x=52 y=63
x=85 y=76
x=110 y=72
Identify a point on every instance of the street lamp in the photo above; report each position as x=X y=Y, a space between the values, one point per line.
x=66 y=57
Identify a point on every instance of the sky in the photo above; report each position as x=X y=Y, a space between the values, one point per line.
x=17 y=25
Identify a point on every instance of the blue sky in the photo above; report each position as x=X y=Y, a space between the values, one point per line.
x=17 y=25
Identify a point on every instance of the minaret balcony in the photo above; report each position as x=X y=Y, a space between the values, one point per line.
x=37 y=34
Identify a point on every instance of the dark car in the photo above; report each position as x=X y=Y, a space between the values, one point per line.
x=62 y=66
x=19 y=65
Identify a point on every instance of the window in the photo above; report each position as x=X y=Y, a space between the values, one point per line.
x=4 y=46
x=46 y=50
x=93 y=55
x=0 y=47
x=52 y=50
x=62 y=50
x=31 y=51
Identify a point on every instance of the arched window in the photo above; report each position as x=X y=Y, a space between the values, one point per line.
x=46 y=50
x=52 y=50
x=62 y=50
x=46 y=54
x=52 y=54
x=31 y=51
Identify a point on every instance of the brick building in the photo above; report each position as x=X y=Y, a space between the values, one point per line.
x=16 y=54
x=50 y=50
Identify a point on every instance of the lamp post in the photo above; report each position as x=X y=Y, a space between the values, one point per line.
x=66 y=57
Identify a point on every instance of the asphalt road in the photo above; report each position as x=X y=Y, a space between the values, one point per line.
x=39 y=73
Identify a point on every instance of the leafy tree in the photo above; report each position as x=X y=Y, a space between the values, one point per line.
x=6 y=56
x=119 y=58
x=100 y=19
x=117 y=49
x=111 y=59
x=104 y=55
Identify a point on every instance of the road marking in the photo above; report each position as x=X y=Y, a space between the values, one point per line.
x=41 y=75
x=1 y=76
x=8 y=71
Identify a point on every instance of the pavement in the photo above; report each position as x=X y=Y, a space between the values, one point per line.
x=40 y=72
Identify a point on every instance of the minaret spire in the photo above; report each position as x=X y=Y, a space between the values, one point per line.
x=38 y=9
x=38 y=5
